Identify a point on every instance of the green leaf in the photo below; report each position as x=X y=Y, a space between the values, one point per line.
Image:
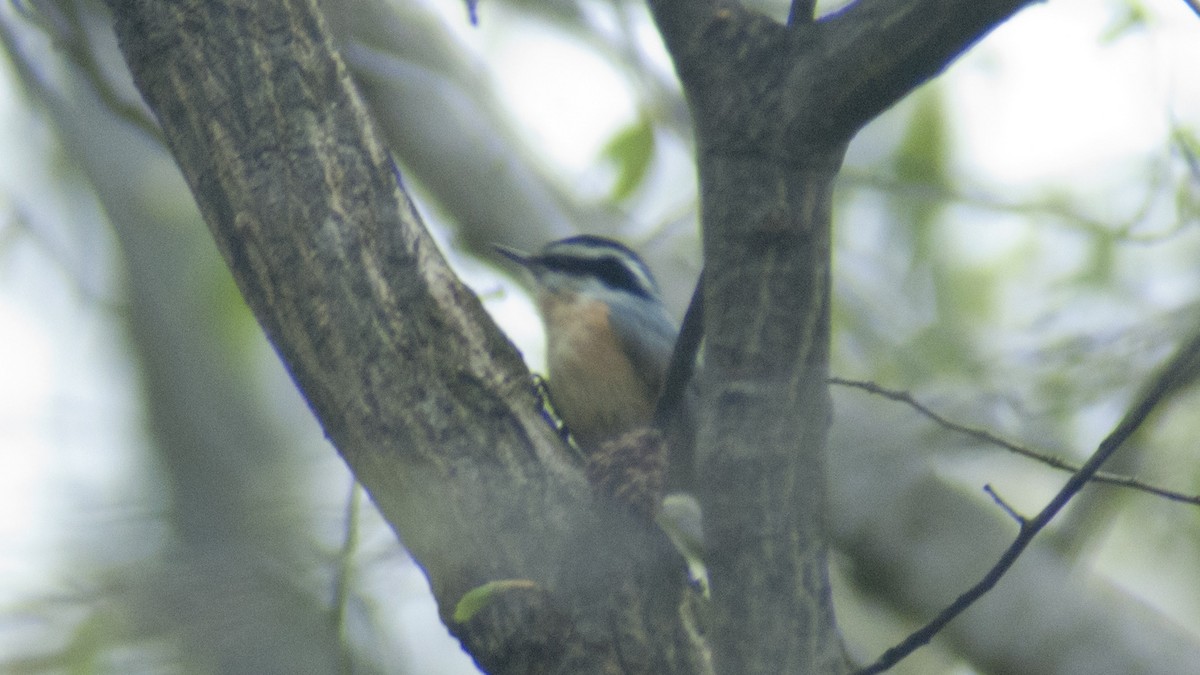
x=479 y=597
x=630 y=152
x=921 y=165
x=923 y=155
x=1133 y=18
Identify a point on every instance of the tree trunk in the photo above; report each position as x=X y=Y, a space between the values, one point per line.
x=431 y=406
x=426 y=400
x=774 y=107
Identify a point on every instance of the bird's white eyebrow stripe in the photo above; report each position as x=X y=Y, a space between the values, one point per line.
x=583 y=261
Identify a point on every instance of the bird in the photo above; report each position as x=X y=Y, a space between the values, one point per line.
x=609 y=340
x=609 y=335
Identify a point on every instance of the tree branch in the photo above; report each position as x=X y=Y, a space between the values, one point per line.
x=425 y=399
x=1180 y=371
x=826 y=79
x=985 y=436
x=902 y=524
x=884 y=49
x=774 y=107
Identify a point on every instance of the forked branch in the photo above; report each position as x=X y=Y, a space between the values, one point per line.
x=1180 y=371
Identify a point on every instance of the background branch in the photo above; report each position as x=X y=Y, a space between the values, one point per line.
x=1180 y=371
x=988 y=437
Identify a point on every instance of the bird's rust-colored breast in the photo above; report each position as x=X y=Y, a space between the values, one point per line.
x=591 y=380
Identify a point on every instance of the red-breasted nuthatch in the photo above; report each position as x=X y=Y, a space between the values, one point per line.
x=608 y=344
x=608 y=335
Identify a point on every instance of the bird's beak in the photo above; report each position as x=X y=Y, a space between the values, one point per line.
x=519 y=257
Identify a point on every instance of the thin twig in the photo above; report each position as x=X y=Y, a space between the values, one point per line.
x=70 y=36
x=670 y=412
x=683 y=359
x=1125 y=232
x=1180 y=371
x=1004 y=506
x=345 y=567
x=990 y=438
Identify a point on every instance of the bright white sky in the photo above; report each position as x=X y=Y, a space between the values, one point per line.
x=1038 y=102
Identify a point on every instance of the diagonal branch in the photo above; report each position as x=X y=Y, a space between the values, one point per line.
x=885 y=49
x=1180 y=371
x=826 y=79
x=425 y=399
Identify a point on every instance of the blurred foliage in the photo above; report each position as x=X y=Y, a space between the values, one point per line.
x=961 y=293
x=630 y=152
x=1131 y=15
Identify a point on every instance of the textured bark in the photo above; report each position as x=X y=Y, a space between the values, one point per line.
x=430 y=405
x=425 y=399
x=774 y=107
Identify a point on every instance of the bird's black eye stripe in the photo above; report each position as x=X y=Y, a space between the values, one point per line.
x=610 y=271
